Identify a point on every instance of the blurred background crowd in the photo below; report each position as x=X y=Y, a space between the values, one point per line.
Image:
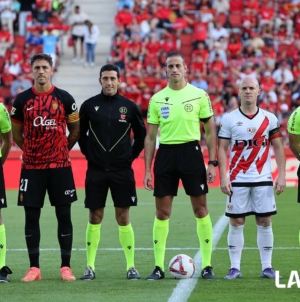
x=222 y=42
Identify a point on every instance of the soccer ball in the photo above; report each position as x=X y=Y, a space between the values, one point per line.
x=182 y=267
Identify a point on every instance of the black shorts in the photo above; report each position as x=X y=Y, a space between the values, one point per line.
x=174 y=162
x=58 y=182
x=120 y=183
x=75 y=38
x=298 y=174
x=3 y=203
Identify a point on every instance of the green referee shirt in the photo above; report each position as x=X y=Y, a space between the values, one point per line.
x=5 y=125
x=178 y=113
x=293 y=126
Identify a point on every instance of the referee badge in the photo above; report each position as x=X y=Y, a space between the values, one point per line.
x=165 y=111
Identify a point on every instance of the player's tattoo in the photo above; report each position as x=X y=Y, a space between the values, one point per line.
x=74 y=135
x=266 y=221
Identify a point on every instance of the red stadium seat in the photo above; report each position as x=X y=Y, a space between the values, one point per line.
x=283 y=47
x=2 y=62
x=186 y=50
x=222 y=18
x=235 y=20
x=186 y=39
x=19 y=41
x=5 y=92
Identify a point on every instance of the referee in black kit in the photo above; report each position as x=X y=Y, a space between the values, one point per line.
x=106 y=121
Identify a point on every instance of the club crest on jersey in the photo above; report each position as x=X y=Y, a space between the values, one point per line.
x=165 y=111
x=229 y=207
x=251 y=130
x=123 y=110
x=54 y=105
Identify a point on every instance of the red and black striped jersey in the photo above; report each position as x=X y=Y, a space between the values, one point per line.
x=44 y=117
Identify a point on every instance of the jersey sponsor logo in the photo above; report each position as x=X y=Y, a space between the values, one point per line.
x=70 y=192
x=165 y=111
x=239 y=163
x=251 y=130
x=30 y=108
x=239 y=123
x=74 y=106
x=123 y=110
x=123 y=116
x=188 y=107
x=43 y=121
x=54 y=105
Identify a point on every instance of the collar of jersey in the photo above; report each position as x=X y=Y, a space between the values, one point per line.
x=108 y=97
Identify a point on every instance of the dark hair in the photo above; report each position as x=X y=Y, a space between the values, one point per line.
x=41 y=56
x=77 y=7
x=175 y=54
x=110 y=67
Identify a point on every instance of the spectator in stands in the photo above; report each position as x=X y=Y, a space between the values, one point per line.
x=6 y=77
x=14 y=68
x=122 y=3
x=20 y=81
x=283 y=74
x=40 y=15
x=218 y=32
x=50 y=46
x=91 y=35
x=199 y=82
x=228 y=93
x=7 y=14
x=218 y=49
x=221 y=6
x=77 y=31
x=267 y=14
x=6 y=39
x=34 y=38
x=25 y=10
x=124 y=19
x=234 y=48
x=267 y=34
x=200 y=30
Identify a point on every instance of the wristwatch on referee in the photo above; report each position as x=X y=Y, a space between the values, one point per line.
x=213 y=162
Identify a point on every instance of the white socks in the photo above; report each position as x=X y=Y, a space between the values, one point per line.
x=265 y=241
x=235 y=241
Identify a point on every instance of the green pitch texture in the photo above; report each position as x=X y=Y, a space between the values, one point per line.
x=111 y=283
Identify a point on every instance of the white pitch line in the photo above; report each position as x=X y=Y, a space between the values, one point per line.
x=112 y=249
x=185 y=287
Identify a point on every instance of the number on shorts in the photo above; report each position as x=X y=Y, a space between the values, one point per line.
x=23 y=186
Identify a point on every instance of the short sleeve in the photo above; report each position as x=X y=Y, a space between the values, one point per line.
x=224 y=131
x=152 y=116
x=293 y=125
x=71 y=109
x=17 y=110
x=5 y=124
x=205 y=106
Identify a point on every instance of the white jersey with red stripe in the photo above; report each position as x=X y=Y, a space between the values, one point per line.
x=250 y=137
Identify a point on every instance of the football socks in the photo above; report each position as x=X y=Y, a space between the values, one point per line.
x=126 y=236
x=2 y=245
x=235 y=240
x=265 y=241
x=204 y=231
x=92 y=242
x=160 y=234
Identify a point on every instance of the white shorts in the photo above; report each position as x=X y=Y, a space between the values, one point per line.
x=247 y=201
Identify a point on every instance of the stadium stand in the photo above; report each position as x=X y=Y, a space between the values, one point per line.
x=263 y=40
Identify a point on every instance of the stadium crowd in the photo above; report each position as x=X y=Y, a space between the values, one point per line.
x=29 y=27
x=222 y=41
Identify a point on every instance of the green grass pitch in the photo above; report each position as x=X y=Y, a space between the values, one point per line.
x=111 y=283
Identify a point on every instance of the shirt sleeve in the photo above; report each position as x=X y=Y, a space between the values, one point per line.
x=17 y=115
x=205 y=106
x=293 y=125
x=152 y=115
x=274 y=128
x=84 y=126
x=71 y=109
x=225 y=131
x=5 y=124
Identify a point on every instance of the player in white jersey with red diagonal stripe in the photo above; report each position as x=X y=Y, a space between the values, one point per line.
x=249 y=131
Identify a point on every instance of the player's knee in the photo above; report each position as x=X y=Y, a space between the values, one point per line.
x=163 y=214
x=263 y=221
x=96 y=216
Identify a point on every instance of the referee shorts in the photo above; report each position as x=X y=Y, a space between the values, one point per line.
x=120 y=183
x=181 y=161
x=58 y=182
x=3 y=203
